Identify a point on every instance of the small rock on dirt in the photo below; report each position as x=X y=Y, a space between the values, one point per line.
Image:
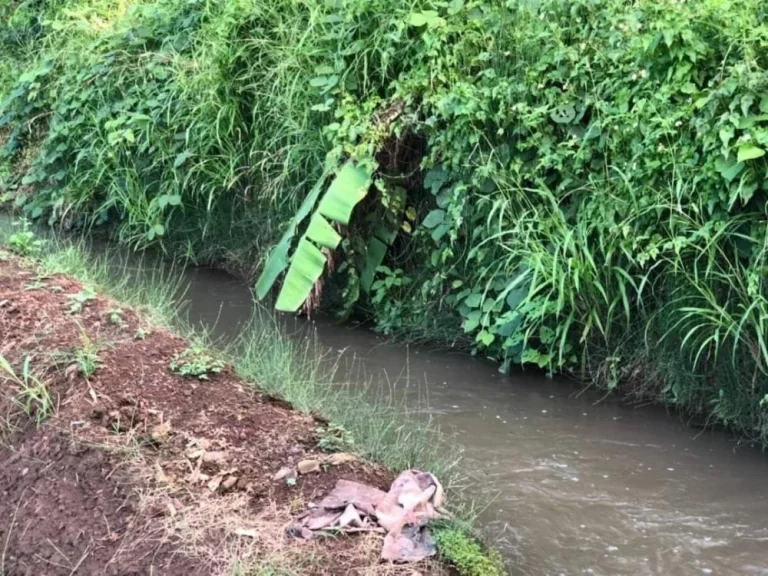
x=309 y=466
x=214 y=457
x=340 y=458
x=228 y=484
x=284 y=472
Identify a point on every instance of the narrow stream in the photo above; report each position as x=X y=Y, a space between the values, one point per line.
x=577 y=487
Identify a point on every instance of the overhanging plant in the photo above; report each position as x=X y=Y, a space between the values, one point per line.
x=305 y=266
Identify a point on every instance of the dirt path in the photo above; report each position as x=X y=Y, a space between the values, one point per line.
x=135 y=469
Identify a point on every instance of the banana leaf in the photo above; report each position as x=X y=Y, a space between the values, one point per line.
x=344 y=193
x=306 y=268
x=348 y=188
x=278 y=258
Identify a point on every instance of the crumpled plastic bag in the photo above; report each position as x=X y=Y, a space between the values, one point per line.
x=402 y=514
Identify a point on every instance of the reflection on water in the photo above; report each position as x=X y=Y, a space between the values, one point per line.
x=575 y=487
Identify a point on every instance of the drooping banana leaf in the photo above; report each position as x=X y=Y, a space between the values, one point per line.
x=308 y=262
x=306 y=268
x=344 y=193
x=322 y=233
x=278 y=258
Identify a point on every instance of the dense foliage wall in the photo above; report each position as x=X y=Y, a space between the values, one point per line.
x=579 y=185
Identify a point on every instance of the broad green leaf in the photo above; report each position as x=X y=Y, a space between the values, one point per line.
x=474 y=300
x=322 y=233
x=728 y=168
x=472 y=321
x=419 y=19
x=434 y=218
x=563 y=114
x=306 y=268
x=278 y=258
x=516 y=297
x=749 y=152
x=485 y=338
x=276 y=263
x=348 y=188
x=373 y=258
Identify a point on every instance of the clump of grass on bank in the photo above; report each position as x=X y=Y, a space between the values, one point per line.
x=289 y=368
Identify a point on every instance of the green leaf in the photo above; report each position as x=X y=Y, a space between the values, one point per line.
x=434 y=218
x=322 y=233
x=473 y=300
x=348 y=188
x=180 y=159
x=306 y=268
x=472 y=321
x=374 y=256
x=278 y=258
x=563 y=114
x=749 y=152
x=419 y=19
x=276 y=263
x=485 y=338
x=728 y=168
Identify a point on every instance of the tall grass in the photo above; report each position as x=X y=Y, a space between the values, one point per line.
x=386 y=429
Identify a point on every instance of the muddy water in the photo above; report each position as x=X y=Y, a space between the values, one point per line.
x=577 y=487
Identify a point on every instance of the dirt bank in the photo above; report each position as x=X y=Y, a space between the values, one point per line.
x=115 y=464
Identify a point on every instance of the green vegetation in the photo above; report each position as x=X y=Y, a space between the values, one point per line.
x=86 y=356
x=25 y=242
x=465 y=553
x=197 y=361
x=30 y=392
x=334 y=438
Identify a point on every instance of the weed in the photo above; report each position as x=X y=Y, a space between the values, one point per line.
x=115 y=317
x=86 y=356
x=38 y=284
x=78 y=301
x=142 y=333
x=197 y=361
x=334 y=438
x=466 y=553
x=25 y=242
x=32 y=394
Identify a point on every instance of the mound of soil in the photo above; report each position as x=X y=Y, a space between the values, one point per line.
x=134 y=469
